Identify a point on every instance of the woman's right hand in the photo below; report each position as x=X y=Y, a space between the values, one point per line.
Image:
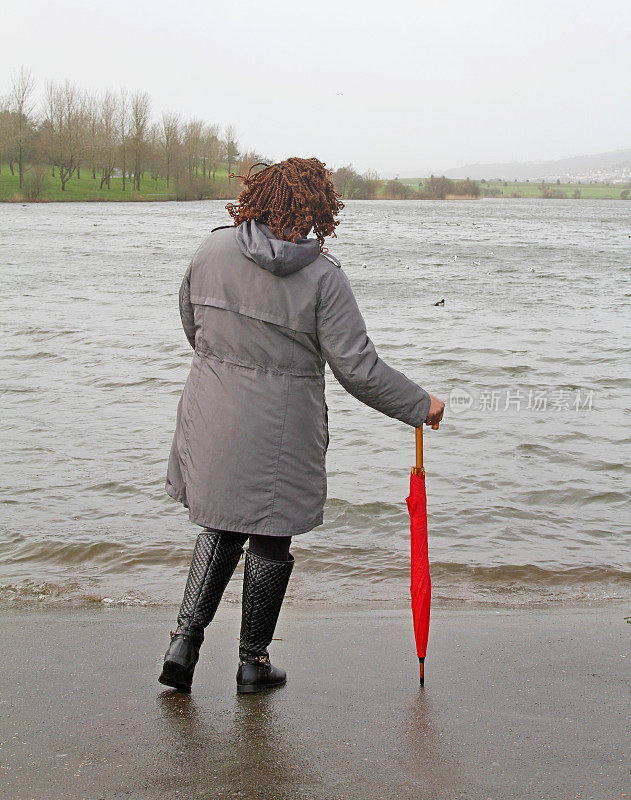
x=435 y=413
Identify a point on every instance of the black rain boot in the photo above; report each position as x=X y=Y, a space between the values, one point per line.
x=214 y=560
x=264 y=586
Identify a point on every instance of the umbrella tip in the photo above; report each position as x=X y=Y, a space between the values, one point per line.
x=421 y=662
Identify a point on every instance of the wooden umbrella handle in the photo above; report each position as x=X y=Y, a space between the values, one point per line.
x=417 y=469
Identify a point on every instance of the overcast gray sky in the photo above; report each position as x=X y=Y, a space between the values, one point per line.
x=400 y=86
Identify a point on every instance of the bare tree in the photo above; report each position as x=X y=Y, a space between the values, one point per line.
x=231 y=146
x=7 y=150
x=140 y=108
x=84 y=129
x=154 y=151
x=345 y=180
x=248 y=160
x=64 y=117
x=169 y=140
x=349 y=183
x=92 y=129
x=370 y=183
x=192 y=146
x=123 y=129
x=108 y=137
x=35 y=182
x=213 y=148
x=21 y=106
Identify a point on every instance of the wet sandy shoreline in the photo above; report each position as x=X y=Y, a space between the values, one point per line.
x=516 y=704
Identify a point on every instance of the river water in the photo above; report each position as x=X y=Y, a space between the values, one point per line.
x=528 y=477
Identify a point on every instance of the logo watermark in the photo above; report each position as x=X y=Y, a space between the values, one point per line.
x=517 y=399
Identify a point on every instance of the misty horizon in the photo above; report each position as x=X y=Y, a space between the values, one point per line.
x=418 y=90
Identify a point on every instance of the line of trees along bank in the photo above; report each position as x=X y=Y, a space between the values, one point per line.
x=432 y=188
x=112 y=133
x=352 y=185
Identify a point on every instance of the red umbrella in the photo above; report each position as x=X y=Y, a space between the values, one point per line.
x=420 y=584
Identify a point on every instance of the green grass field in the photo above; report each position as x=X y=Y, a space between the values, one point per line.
x=87 y=189
x=588 y=191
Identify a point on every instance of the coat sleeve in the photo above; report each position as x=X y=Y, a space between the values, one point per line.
x=186 y=308
x=353 y=359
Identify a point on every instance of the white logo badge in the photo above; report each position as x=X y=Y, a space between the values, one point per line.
x=460 y=400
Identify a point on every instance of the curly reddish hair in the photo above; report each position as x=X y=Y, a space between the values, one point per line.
x=291 y=197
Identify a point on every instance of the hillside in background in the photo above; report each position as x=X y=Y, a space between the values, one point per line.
x=613 y=166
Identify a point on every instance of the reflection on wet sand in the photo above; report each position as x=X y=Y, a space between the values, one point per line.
x=424 y=749
x=239 y=750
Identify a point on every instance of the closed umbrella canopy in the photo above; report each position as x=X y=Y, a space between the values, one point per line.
x=420 y=583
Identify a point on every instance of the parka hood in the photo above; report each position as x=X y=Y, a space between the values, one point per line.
x=259 y=244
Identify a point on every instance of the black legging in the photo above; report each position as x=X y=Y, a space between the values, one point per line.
x=276 y=548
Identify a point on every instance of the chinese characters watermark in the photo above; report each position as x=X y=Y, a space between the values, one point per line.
x=517 y=399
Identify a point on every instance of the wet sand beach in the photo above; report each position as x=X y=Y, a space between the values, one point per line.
x=517 y=704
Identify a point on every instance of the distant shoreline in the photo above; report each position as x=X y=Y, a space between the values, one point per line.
x=42 y=186
x=105 y=200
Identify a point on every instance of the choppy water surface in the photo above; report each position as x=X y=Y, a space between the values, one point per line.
x=526 y=504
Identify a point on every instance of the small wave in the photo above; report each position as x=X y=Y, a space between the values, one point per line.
x=43 y=354
x=66 y=593
x=110 y=572
x=150 y=382
x=109 y=555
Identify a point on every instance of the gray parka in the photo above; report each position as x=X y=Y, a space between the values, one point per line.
x=251 y=435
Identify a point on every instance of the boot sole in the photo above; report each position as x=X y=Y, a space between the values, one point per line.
x=253 y=688
x=175 y=676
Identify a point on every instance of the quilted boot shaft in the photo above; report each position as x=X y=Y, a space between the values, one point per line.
x=264 y=586
x=214 y=560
